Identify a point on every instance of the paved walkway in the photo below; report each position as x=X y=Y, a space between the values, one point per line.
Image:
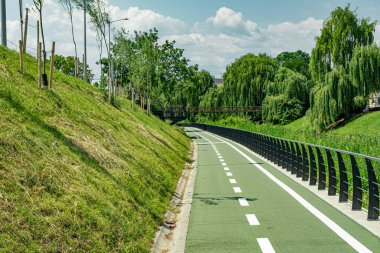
x=242 y=204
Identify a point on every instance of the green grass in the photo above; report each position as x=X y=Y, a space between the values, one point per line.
x=77 y=174
x=360 y=135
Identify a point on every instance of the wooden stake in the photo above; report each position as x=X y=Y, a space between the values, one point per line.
x=76 y=67
x=26 y=29
x=83 y=67
x=133 y=98
x=38 y=54
x=78 y=62
x=39 y=65
x=52 y=65
x=21 y=57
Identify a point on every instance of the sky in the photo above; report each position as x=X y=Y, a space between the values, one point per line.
x=213 y=32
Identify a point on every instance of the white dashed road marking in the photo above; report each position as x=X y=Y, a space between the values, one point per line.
x=265 y=245
x=237 y=190
x=252 y=220
x=243 y=202
x=229 y=174
x=233 y=181
x=226 y=168
x=224 y=164
x=354 y=243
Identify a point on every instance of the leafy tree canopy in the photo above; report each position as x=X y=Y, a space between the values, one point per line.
x=245 y=80
x=297 y=61
x=340 y=34
x=67 y=66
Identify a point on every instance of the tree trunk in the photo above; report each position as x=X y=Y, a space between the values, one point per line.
x=70 y=10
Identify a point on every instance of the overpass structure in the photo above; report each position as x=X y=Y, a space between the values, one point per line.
x=178 y=113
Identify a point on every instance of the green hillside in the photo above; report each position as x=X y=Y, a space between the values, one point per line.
x=77 y=174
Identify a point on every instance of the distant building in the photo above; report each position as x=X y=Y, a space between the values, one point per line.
x=374 y=101
x=218 y=82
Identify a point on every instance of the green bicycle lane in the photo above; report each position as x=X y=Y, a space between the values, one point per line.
x=219 y=222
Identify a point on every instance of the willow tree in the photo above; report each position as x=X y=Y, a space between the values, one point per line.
x=212 y=99
x=365 y=72
x=286 y=98
x=333 y=96
x=245 y=80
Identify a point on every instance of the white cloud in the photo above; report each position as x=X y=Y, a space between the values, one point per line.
x=147 y=19
x=229 y=21
x=212 y=43
x=216 y=51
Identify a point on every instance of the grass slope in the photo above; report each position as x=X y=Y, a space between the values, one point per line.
x=360 y=135
x=77 y=174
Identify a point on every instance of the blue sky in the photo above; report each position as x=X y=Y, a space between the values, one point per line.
x=212 y=32
x=263 y=12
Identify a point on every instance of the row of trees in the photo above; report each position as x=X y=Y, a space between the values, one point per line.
x=135 y=64
x=280 y=85
x=156 y=74
x=333 y=83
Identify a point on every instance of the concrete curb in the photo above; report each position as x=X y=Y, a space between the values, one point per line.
x=171 y=236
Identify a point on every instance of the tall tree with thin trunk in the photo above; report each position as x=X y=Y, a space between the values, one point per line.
x=100 y=18
x=21 y=19
x=69 y=8
x=39 y=5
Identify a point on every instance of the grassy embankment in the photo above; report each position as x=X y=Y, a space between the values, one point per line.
x=361 y=135
x=77 y=174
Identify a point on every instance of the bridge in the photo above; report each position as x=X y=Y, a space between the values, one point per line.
x=179 y=113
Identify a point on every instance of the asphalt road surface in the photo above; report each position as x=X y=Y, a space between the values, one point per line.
x=242 y=204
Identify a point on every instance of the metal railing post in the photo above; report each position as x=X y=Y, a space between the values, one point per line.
x=301 y=159
x=299 y=170
x=321 y=171
x=331 y=174
x=356 y=185
x=343 y=180
x=313 y=167
x=305 y=164
x=373 y=195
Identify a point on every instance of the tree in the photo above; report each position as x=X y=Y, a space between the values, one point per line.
x=341 y=33
x=246 y=79
x=333 y=96
x=100 y=18
x=297 y=61
x=39 y=5
x=287 y=97
x=68 y=6
x=365 y=72
x=67 y=66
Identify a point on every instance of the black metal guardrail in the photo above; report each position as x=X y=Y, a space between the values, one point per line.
x=353 y=176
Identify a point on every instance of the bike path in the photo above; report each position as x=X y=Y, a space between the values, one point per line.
x=219 y=222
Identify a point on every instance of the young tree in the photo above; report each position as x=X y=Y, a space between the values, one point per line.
x=100 y=18
x=68 y=5
x=67 y=66
x=39 y=5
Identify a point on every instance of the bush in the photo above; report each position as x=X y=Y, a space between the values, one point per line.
x=281 y=110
